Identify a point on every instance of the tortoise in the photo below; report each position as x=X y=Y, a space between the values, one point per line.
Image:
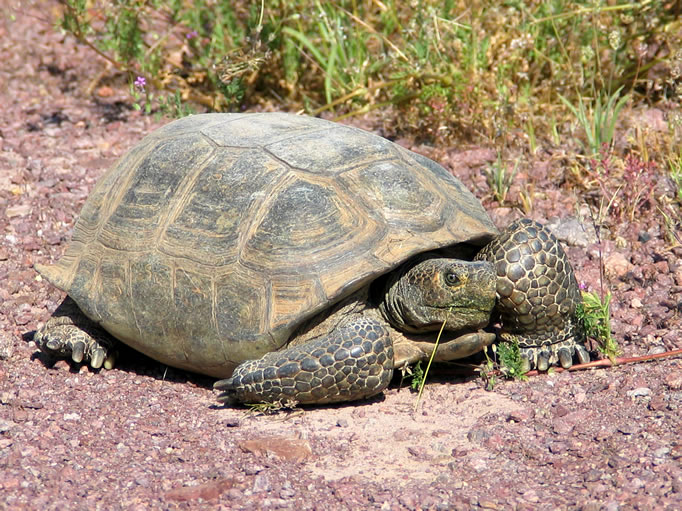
x=300 y=259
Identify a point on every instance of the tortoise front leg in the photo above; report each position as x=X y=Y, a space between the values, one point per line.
x=70 y=333
x=411 y=351
x=537 y=296
x=352 y=362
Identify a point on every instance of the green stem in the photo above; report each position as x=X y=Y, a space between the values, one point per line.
x=428 y=366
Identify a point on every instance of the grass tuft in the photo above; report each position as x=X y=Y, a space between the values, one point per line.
x=499 y=180
x=598 y=120
x=595 y=313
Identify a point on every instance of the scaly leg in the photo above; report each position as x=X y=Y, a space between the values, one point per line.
x=537 y=295
x=69 y=333
x=354 y=361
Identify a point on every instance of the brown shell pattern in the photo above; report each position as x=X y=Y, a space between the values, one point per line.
x=220 y=233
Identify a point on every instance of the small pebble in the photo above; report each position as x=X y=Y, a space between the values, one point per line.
x=639 y=392
x=661 y=452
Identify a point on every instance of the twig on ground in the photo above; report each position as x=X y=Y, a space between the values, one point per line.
x=605 y=362
x=468 y=370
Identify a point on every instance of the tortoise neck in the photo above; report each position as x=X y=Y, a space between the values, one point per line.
x=392 y=305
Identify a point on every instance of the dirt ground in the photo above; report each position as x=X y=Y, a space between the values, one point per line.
x=144 y=436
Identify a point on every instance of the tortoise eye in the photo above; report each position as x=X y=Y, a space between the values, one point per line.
x=451 y=279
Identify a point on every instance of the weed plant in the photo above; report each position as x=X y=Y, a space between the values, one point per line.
x=511 y=363
x=417 y=376
x=445 y=68
x=626 y=185
x=505 y=361
x=595 y=315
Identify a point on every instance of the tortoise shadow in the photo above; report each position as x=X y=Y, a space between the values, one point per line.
x=379 y=398
x=459 y=372
x=130 y=361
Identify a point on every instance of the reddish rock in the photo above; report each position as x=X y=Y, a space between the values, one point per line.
x=206 y=491
x=521 y=415
x=418 y=452
x=290 y=449
x=674 y=380
x=617 y=265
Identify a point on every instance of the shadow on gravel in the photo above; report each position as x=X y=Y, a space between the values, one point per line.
x=113 y=111
x=130 y=361
x=288 y=409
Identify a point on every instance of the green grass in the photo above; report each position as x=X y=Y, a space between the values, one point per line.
x=499 y=179
x=595 y=315
x=449 y=68
x=670 y=208
x=675 y=169
x=598 y=120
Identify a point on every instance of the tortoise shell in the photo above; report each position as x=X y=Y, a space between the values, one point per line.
x=216 y=236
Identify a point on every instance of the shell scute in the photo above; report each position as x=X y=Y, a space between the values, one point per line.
x=211 y=241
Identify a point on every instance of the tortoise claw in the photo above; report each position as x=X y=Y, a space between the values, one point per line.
x=227 y=386
x=78 y=351
x=543 y=360
x=69 y=334
x=525 y=363
x=583 y=355
x=97 y=358
x=565 y=358
x=110 y=361
x=53 y=346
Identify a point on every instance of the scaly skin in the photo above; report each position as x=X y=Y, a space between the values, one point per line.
x=70 y=333
x=353 y=362
x=537 y=295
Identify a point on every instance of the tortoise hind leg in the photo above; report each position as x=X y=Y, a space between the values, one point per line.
x=354 y=361
x=70 y=333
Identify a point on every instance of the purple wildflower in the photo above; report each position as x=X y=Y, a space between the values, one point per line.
x=140 y=82
x=192 y=34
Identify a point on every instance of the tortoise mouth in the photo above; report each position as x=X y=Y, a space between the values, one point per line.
x=451 y=319
x=482 y=308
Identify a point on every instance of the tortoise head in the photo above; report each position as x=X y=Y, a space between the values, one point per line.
x=422 y=296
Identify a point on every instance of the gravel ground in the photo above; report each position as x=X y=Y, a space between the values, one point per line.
x=143 y=436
